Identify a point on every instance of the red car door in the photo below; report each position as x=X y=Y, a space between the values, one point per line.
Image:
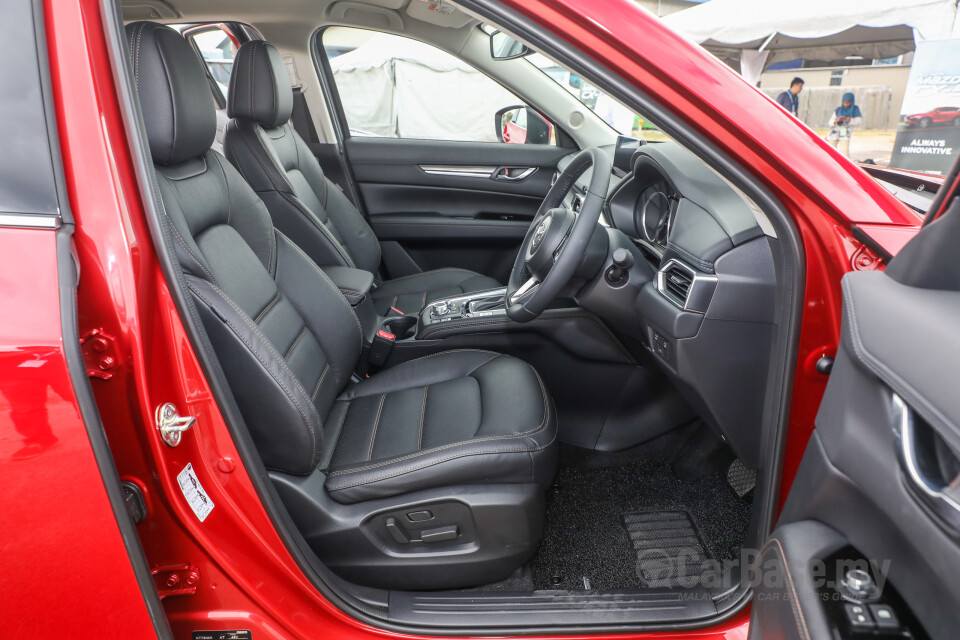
x=73 y=565
x=867 y=542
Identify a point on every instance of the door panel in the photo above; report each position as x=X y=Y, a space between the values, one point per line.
x=881 y=471
x=440 y=204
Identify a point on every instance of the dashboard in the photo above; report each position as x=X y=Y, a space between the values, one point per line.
x=701 y=295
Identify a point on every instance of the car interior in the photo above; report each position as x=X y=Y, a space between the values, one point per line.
x=505 y=365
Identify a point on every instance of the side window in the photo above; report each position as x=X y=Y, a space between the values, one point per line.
x=396 y=87
x=218 y=49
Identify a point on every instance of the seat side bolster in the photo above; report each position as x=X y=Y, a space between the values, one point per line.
x=257 y=161
x=358 y=237
x=282 y=419
x=322 y=306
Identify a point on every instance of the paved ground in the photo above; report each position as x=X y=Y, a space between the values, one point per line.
x=870 y=145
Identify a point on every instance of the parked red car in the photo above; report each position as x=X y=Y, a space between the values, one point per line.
x=940 y=115
x=327 y=386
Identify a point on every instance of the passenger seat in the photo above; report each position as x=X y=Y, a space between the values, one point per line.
x=304 y=204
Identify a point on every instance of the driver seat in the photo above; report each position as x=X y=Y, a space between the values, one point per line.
x=466 y=437
x=305 y=205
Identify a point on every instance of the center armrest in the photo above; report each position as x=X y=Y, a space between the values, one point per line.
x=354 y=284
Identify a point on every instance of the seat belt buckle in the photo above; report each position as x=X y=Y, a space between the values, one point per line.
x=380 y=349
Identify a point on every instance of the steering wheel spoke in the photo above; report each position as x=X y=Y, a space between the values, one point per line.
x=557 y=239
x=527 y=288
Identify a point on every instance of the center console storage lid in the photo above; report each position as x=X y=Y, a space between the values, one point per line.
x=354 y=284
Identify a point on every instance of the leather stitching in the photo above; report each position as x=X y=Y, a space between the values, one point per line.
x=316 y=389
x=435 y=355
x=703 y=264
x=376 y=424
x=423 y=413
x=441 y=460
x=323 y=229
x=469 y=274
x=450 y=327
x=186 y=247
x=265 y=364
x=300 y=335
x=343 y=298
x=798 y=617
x=271 y=239
x=393 y=474
x=268 y=307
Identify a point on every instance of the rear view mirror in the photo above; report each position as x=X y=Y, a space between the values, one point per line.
x=504 y=47
x=520 y=124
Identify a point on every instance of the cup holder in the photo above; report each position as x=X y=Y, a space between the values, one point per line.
x=403 y=326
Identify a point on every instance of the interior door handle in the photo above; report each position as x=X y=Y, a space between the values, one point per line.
x=942 y=496
x=514 y=174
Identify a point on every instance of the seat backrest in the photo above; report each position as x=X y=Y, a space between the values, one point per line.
x=285 y=336
x=280 y=167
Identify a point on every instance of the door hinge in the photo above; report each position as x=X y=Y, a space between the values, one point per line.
x=99 y=354
x=176 y=580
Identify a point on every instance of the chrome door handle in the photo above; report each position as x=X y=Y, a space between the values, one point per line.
x=939 y=496
x=514 y=174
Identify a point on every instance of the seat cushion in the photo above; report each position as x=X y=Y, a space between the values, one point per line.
x=454 y=418
x=411 y=293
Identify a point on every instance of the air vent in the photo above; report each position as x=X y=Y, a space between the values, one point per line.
x=685 y=287
x=676 y=282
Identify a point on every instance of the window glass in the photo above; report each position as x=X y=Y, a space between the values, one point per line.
x=218 y=50
x=621 y=119
x=396 y=87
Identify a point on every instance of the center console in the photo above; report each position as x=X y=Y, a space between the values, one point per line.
x=482 y=304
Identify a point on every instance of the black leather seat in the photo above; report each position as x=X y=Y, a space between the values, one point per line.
x=457 y=426
x=306 y=206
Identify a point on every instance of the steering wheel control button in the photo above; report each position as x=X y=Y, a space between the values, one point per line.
x=859 y=618
x=885 y=617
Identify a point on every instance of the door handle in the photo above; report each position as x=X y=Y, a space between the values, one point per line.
x=514 y=174
x=920 y=466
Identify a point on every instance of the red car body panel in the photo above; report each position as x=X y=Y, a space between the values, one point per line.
x=940 y=115
x=246 y=578
x=64 y=560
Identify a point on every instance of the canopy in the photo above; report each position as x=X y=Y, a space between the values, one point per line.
x=398 y=87
x=760 y=32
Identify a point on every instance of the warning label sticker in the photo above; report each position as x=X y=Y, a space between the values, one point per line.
x=193 y=491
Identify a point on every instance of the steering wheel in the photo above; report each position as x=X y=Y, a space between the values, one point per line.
x=557 y=239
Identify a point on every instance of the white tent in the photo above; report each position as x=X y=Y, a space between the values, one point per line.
x=760 y=32
x=398 y=87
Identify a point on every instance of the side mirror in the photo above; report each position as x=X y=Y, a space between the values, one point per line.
x=520 y=124
x=504 y=47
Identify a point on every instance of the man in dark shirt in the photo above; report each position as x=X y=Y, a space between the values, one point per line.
x=790 y=99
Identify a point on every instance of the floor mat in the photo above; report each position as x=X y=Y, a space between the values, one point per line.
x=669 y=550
x=587 y=540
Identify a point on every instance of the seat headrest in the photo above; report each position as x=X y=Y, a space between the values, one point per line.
x=260 y=87
x=175 y=97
